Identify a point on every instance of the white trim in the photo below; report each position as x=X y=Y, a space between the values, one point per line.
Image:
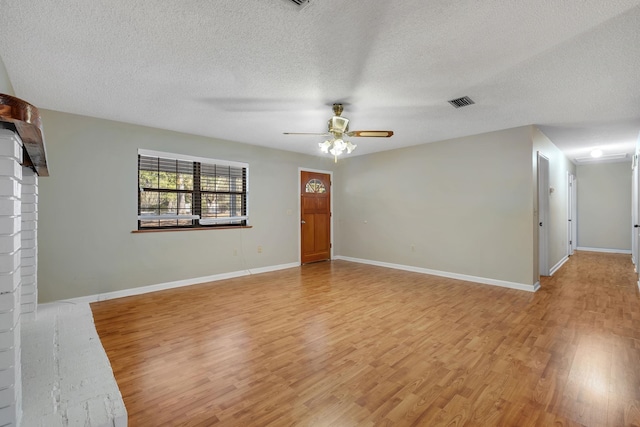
x=270 y=268
x=605 y=250
x=174 y=156
x=206 y=221
x=558 y=265
x=177 y=284
x=330 y=173
x=476 y=279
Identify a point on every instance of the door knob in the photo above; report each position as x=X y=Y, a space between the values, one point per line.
x=303 y=222
x=636 y=226
x=540 y=224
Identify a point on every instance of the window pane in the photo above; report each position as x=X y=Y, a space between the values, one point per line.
x=315 y=186
x=149 y=203
x=147 y=179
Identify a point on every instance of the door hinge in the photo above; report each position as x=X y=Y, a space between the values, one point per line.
x=570 y=242
x=330 y=245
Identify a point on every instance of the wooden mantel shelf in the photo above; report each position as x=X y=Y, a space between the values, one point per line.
x=25 y=118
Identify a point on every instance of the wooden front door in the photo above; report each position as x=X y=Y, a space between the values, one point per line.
x=315 y=192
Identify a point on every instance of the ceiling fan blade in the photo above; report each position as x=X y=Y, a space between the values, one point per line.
x=371 y=133
x=306 y=133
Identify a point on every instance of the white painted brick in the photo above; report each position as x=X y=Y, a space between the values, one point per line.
x=28 y=299
x=8 y=395
x=9 y=243
x=7 y=377
x=28 y=270
x=10 y=167
x=9 y=416
x=28 y=252
x=27 y=308
x=28 y=316
x=10 y=206
x=10 y=282
x=7 y=341
x=29 y=176
x=10 y=187
x=10 y=262
x=29 y=207
x=28 y=188
x=29 y=235
x=29 y=197
x=10 y=148
x=9 y=318
x=8 y=300
x=7 y=359
x=28 y=285
x=12 y=223
x=98 y=412
x=87 y=393
x=30 y=215
x=26 y=262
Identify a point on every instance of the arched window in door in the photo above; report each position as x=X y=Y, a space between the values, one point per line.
x=315 y=186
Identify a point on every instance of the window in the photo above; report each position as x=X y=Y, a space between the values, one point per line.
x=176 y=191
x=315 y=186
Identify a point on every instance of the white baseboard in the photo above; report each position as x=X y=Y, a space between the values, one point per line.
x=558 y=265
x=605 y=250
x=483 y=280
x=176 y=284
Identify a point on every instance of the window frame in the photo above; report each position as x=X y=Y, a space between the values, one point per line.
x=197 y=222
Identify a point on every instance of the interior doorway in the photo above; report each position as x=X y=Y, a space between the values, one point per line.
x=572 y=214
x=543 y=214
x=635 y=212
x=315 y=216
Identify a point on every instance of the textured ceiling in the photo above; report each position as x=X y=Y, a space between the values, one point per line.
x=248 y=70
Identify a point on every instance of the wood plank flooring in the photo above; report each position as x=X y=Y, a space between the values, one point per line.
x=345 y=344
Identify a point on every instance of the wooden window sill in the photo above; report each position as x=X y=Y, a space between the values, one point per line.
x=160 y=230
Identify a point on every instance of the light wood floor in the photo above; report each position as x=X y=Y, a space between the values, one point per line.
x=345 y=344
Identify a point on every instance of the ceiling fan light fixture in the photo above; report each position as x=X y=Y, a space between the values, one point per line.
x=350 y=147
x=338 y=147
x=338 y=125
x=324 y=146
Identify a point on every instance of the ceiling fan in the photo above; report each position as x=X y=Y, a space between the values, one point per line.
x=338 y=130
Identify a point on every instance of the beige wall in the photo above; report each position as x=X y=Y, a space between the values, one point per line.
x=559 y=166
x=462 y=206
x=604 y=206
x=466 y=205
x=88 y=208
x=5 y=83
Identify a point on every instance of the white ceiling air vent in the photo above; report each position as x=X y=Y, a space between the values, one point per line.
x=461 y=102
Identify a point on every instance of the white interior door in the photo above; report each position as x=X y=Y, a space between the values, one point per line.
x=543 y=214
x=634 y=212
x=571 y=214
x=574 y=210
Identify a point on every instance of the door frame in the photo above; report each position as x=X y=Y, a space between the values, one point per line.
x=635 y=212
x=330 y=173
x=543 y=214
x=571 y=213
